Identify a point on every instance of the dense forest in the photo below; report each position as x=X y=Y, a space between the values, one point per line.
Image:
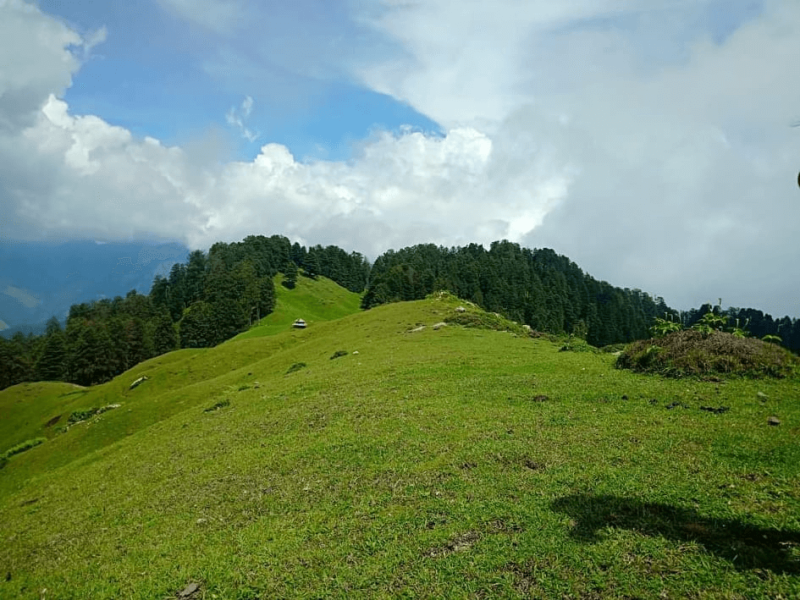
x=215 y=295
x=536 y=287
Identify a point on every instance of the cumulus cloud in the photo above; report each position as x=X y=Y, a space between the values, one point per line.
x=400 y=189
x=641 y=139
x=673 y=127
x=35 y=61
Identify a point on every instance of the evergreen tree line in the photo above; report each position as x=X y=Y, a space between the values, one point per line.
x=205 y=301
x=101 y=340
x=215 y=295
x=536 y=287
x=754 y=322
x=546 y=291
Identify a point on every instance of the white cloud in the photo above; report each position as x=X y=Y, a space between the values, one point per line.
x=220 y=16
x=681 y=160
x=35 y=61
x=238 y=117
x=609 y=130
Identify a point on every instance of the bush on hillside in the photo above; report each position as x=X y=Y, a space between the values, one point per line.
x=576 y=344
x=695 y=353
x=82 y=415
x=26 y=445
x=484 y=320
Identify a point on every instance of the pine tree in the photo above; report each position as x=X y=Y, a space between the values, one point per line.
x=229 y=319
x=89 y=357
x=312 y=265
x=196 y=328
x=162 y=333
x=289 y=275
x=52 y=364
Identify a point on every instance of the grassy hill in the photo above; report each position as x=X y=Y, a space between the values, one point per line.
x=313 y=300
x=446 y=462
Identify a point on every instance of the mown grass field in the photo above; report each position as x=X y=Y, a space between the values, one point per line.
x=450 y=463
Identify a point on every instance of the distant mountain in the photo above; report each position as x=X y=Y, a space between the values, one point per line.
x=39 y=280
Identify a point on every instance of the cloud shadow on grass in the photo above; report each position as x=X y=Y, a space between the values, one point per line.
x=746 y=546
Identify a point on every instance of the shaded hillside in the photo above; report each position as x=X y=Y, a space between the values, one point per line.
x=39 y=280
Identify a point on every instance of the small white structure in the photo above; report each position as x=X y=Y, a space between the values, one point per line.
x=138 y=382
x=299 y=324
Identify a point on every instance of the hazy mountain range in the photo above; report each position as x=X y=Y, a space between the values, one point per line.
x=40 y=280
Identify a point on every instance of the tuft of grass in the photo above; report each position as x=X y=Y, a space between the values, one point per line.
x=578 y=345
x=479 y=319
x=339 y=354
x=696 y=353
x=296 y=367
x=217 y=406
x=87 y=413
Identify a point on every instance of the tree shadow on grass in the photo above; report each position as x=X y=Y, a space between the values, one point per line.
x=745 y=546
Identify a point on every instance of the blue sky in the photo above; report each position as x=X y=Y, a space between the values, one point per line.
x=644 y=139
x=159 y=76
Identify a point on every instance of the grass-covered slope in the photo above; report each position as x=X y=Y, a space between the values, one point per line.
x=313 y=300
x=31 y=410
x=446 y=462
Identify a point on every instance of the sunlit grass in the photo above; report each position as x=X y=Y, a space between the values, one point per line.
x=450 y=463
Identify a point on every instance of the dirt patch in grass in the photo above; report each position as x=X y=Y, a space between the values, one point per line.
x=460 y=543
x=692 y=353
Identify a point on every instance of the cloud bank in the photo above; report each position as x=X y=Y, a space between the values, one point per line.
x=648 y=141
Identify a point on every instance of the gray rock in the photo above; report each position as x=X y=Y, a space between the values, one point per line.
x=189 y=590
x=774 y=421
x=138 y=382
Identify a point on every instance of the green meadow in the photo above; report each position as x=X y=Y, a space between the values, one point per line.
x=373 y=455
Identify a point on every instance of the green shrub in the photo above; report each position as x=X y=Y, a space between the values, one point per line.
x=575 y=344
x=296 y=367
x=701 y=352
x=484 y=320
x=26 y=445
x=82 y=415
x=611 y=348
